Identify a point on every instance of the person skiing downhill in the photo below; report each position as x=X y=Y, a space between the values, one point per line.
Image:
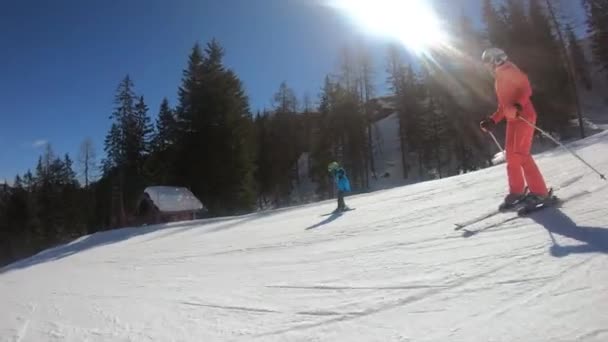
x=342 y=184
x=513 y=92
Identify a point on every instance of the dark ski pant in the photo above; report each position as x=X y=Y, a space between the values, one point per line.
x=341 y=204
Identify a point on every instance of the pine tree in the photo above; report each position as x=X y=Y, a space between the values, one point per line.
x=401 y=82
x=579 y=60
x=17 y=215
x=137 y=147
x=48 y=174
x=216 y=133
x=232 y=124
x=117 y=145
x=29 y=182
x=307 y=105
x=348 y=70
x=159 y=166
x=48 y=158
x=285 y=100
x=142 y=130
x=18 y=182
x=264 y=158
x=597 y=28
x=5 y=235
x=68 y=176
x=496 y=25
x=324 y=141
x=87 y=160
x=348 y=119
x=127 y=145
x=519 y=43
x=191 y=137
x=187 y=93
x=128 y=139
x=471 y=99
x=41 y=210
x=165 y=127
x=549 y=73
x=366 y=92
x=285 y=148
x=113 y=148
x=435 y=143
x=340 y=137
x=546 y=48
x=422 y=103
x=41 y=173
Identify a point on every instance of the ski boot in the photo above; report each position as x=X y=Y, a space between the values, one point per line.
x=341 y=209
x=535 y=202
x=511 y=201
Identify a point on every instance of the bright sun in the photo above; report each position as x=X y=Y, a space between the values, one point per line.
x=411 y=22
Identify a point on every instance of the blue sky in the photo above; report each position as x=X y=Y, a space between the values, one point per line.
x=62 y=60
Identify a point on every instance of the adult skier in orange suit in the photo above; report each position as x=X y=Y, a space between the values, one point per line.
x=513 y=92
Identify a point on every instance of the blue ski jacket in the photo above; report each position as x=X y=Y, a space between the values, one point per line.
x=341 y=180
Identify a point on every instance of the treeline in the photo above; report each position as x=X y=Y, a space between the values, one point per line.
x=236 y=160
x=42 y=208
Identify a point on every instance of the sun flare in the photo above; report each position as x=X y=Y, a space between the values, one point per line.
x=411 y=22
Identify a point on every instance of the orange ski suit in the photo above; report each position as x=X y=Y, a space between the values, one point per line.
x=512 y=88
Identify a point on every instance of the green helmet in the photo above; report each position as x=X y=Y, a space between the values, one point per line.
x=333 y=166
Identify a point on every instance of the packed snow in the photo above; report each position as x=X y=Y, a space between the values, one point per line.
x=394 y=269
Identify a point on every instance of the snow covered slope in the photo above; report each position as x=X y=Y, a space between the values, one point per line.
x=394 y=269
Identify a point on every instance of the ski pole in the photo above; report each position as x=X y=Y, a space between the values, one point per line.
x=562 y=145
x=496 y=142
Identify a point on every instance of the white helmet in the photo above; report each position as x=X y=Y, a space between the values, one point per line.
x=494 y=56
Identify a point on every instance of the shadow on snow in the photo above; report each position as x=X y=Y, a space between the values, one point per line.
x=593 y=239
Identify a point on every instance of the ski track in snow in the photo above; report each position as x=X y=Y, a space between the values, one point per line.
x=392 y=270
x=24 y=328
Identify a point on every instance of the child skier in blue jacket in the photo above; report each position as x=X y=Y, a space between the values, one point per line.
x=342 y=184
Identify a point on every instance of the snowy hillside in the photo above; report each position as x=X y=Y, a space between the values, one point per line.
x=387 y=154
x=394 y=269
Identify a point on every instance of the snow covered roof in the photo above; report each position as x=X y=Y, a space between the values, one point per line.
x=173 y=199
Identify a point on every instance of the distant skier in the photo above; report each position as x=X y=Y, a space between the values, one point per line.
x=342 y=184
x=513 y=91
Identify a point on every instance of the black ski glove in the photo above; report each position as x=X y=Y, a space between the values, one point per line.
x=487 y=125
x=518 y=107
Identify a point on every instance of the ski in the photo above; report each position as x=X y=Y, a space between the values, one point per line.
x=479 y=218
x=470 y=232
x=462 y=225
x=517 y=207
x=558 y=202
x=337 y=212
x=551 y=202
